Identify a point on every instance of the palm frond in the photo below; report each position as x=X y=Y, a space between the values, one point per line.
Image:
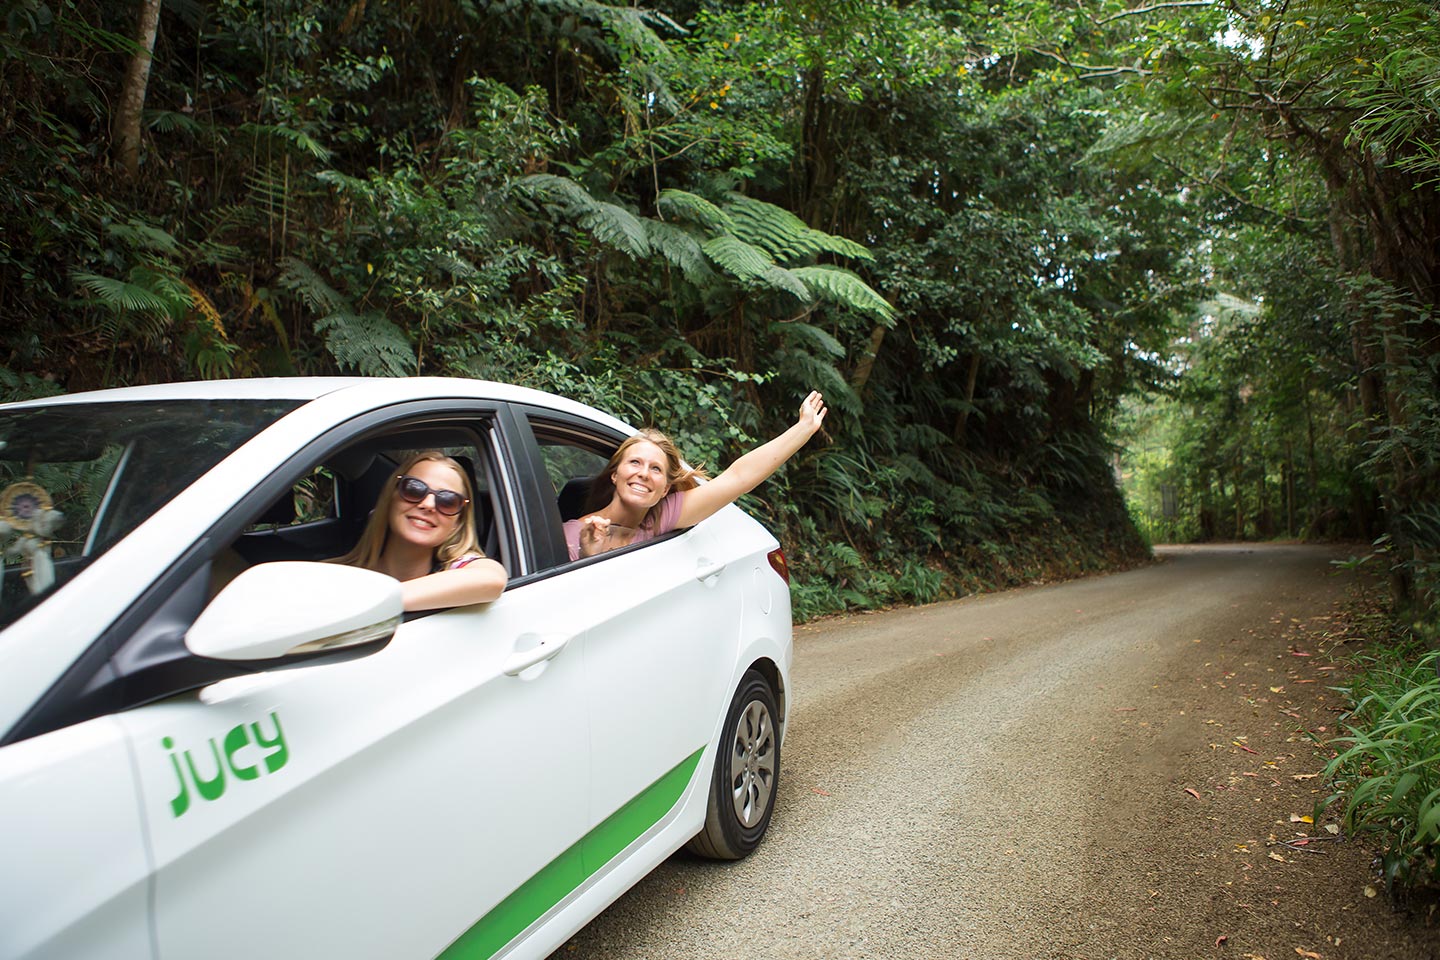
x=299 y=139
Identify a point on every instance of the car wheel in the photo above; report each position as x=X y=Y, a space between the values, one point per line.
x=746 y=775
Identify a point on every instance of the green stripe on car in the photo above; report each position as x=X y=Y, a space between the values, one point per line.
x=561 y=876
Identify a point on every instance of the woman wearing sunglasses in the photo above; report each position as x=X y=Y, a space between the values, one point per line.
x=422 y=533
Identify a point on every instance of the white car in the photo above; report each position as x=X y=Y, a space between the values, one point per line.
x=213 y=746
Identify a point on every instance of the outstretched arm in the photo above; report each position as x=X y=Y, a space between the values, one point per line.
x=479 y=581
x=747 y=473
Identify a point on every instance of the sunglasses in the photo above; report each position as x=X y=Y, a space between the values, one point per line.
x=415 y=490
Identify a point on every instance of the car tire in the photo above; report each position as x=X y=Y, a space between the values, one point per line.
x=746 y=776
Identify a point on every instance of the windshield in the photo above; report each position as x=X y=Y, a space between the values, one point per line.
x=75 y=478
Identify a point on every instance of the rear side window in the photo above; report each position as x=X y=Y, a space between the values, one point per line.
x=75 y=478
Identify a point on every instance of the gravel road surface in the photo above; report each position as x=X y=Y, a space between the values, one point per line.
x=1103 y=768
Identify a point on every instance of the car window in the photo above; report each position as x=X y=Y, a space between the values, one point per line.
x=77 y=477
x=322 y=513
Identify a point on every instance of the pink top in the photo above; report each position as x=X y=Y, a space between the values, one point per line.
x=460 y=562
x=662 y=518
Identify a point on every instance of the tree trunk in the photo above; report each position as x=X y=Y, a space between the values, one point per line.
x=132 y=96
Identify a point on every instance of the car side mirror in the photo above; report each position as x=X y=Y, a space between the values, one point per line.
x=286 y=608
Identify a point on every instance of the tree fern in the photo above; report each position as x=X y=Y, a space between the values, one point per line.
x=840 y=286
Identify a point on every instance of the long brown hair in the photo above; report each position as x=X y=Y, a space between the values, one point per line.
x=678 y=476
x=463 y=541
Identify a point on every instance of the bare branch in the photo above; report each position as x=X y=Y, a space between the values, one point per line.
x=1140 y=11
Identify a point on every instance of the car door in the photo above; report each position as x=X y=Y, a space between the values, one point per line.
x=660 y=648
x=88 y=898
x=391 y=806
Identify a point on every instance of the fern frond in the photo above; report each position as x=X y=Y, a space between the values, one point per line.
x=368 y=343
x=810 y=335
x=616 y=227
x=681 y=249
x=556 y=188
x=779 y=278
x=774 y=229
x=318 y=295
x=738 y=257
x=695 y=209
x=267 y=189
x=206 y=308
x=844 y=288
x=819 y=374
x=840 y=246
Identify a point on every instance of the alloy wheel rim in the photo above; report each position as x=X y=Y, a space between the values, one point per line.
x=752 y=764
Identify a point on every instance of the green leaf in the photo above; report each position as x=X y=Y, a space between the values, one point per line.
x=738 y=257
x=842 y=287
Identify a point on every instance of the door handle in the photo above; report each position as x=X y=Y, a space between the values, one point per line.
x=522 y=660
x=705 y=569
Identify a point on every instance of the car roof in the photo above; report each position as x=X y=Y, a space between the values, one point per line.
x=382 y=389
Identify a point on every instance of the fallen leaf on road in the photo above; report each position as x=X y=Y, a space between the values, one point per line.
x=1242 y=746
x=823 y=793
x=1193 y=793
x=1277 y=689
x=1370 y=892
x=1296 y=818
x=1307 y=954
x=1298 y=653
x=1332 y=828
x=1221 y=939
x=1304 y=776
x=1275 y=856
x=1253 y=956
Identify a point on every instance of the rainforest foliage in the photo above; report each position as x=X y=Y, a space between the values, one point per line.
x=1001 y=237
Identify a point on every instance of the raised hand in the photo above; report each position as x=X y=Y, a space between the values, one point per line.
x=812 y=411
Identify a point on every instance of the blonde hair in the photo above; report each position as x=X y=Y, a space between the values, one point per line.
x=461 y=542
x=678 y=476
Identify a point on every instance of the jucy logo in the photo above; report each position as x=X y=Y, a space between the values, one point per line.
x=222 y=753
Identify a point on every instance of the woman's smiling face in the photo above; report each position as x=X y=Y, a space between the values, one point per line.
x=420 y=523
x=640 y=479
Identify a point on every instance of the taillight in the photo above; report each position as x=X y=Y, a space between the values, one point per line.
x=777 y=560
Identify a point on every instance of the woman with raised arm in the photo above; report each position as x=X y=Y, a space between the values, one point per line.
x=422 y=533
x=651 y=492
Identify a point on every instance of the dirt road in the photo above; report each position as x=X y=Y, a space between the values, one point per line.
x=1106 y=768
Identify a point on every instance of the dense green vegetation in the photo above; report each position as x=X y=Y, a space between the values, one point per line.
x=1018 y=245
